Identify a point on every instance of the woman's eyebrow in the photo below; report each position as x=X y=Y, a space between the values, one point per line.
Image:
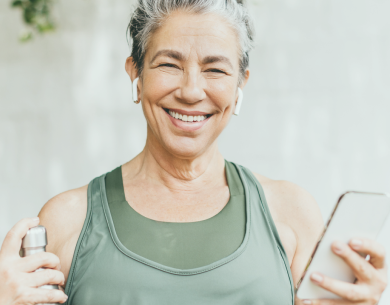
x=218 y=58
x=169 y=53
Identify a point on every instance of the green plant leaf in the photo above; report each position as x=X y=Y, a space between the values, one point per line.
x=16 y=3
x=26 y=36
x=36 y=15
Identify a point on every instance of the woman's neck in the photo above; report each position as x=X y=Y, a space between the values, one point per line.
x=157 y=165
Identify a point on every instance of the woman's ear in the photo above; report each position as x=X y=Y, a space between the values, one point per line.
x=245 y=80
x=131 y=69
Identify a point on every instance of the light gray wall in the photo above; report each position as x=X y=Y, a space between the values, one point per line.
x=316 y=109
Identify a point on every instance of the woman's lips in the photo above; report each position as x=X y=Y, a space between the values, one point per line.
x=187 y=126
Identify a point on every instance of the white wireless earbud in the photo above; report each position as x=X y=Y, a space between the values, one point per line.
x=239 y=101
x=134 y=91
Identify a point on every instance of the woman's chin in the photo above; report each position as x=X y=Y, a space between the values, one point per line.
x=186 y=149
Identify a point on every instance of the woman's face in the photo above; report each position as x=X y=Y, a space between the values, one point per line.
x=189 y=82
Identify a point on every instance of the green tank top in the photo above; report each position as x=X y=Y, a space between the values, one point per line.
x=179 y=245
x=104 y=271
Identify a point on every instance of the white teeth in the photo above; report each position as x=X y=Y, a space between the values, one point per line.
x=185 y=118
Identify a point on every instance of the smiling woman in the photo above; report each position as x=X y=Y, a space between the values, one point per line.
x=179 y=224
x=194 y=56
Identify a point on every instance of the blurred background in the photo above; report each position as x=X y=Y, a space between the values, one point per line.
x=316 y=108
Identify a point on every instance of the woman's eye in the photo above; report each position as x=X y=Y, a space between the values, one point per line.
x=168 y=65
x=215 y=71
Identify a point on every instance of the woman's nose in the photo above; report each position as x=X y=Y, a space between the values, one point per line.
x=191 y=90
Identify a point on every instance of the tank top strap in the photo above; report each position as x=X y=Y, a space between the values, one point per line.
x=261 y=207
x=87 y=239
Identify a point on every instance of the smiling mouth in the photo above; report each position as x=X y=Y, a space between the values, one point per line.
x=187 y=118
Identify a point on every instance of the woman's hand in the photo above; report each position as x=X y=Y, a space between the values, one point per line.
x=18 y=281
x=371 y=275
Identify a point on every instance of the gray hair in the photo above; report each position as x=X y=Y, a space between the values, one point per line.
x=149 y=15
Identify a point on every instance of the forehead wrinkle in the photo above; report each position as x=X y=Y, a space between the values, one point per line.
x=213 y=58
x=221 y=34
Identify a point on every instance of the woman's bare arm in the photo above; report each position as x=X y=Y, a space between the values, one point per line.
x=63 y=216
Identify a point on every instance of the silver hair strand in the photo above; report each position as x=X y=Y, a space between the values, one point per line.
x=149 y=15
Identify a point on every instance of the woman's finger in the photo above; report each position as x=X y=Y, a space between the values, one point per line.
x=39 y=260
x=371 y=247
x=41 y=295
x=345 y=290
x=13 y=239
x=362 y=269
x=44 y=277
x=325 y=302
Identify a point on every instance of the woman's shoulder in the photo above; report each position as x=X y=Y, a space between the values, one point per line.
x=288 y=199
x=67 y=208
x=63 y=216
